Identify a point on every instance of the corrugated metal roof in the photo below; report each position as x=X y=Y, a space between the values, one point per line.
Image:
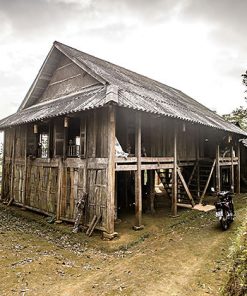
x=142 y=93
x=135 y=91
x=88 y=99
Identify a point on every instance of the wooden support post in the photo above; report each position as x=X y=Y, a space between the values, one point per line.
x=174 y=176
x=94 y=134
x=238 y=169
x=12 y=169
x=151 y=183
x=24 y=185
x=111 y=170
x=232 y=170
x=198 y=164
x=59 y=191
x=218 y=177
x=138 y=176
x=3 y=168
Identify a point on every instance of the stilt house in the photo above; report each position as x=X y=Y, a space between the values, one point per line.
x=89 y=126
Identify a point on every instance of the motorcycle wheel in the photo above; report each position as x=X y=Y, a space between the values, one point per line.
x=224 y=223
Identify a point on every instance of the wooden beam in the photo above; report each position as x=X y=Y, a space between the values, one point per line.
x=208 y=180
x=185 y=186
x=111 y=170
x=138 y=179
x=174 y=175
x=218 y=187
x=238 y=169
x=232 y=169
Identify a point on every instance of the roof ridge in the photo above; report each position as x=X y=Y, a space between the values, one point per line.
x=115 y=65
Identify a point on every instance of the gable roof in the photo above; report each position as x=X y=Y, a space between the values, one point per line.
x=135 y=91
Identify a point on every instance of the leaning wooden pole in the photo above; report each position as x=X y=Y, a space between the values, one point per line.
x=238 y=169
x=138 y=179
x=174 y=175
x=111 y=171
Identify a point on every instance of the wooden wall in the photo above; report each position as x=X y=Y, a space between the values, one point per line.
x=44 y=184
x=66 y=79
x=157 y=135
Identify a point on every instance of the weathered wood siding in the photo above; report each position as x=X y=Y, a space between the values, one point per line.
x=66 y=79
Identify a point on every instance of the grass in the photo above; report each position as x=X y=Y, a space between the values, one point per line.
x=237 y=283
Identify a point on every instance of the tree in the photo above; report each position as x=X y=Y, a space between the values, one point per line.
x=245 y=78
x=239 y=115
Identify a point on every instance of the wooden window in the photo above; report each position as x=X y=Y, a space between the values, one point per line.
x=76 y=138
x=73 y=142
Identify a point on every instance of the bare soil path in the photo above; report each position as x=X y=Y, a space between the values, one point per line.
x=186 y=255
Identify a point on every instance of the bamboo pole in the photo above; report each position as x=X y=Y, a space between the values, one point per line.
x=138 y=179
x=175 y=176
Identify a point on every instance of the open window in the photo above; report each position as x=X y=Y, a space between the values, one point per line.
x=76 y=137
x=38 y=140
x=43 y=141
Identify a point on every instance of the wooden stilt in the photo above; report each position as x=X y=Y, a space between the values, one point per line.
x=25 y=170
x=232 y=170
x=3 y=168
x=218 y=168
x=138 y=181
x=238 y=169
x=198 y=164
x=111 y=170
x=174 y=176
x=59 y=191
x=151 y=182
x=12 y=169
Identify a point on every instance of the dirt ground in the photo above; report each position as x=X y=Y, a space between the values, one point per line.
x=186 y=255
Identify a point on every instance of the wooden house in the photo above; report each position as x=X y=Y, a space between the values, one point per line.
x=61 y=143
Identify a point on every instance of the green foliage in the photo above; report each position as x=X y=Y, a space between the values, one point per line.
x=239 y=116
x=237 y=283
x=245 y=78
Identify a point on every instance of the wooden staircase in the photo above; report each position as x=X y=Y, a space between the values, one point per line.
x=192 y=184
x=198 y=181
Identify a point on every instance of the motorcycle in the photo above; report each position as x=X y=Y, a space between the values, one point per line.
x=224 y=208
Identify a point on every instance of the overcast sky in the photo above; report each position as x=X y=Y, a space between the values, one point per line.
x=197 y=46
